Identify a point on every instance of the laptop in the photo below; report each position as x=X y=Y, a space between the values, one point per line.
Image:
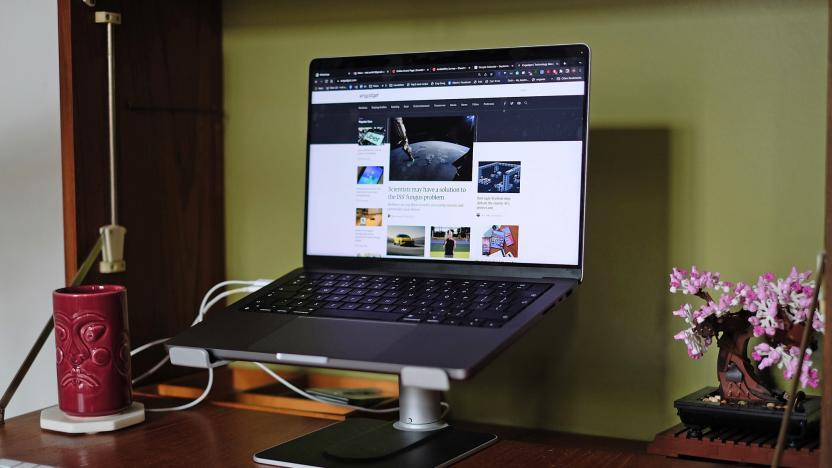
x=444 y=213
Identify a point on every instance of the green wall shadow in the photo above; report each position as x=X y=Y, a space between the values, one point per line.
x=591 y=364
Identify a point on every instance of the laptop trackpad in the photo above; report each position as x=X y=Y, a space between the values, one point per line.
x=344 y=339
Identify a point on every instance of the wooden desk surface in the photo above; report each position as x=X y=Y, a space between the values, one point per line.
x=210 y=435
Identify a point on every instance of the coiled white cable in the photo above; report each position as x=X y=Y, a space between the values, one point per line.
x=192 y=403
x=205 y=305
x=302 y=393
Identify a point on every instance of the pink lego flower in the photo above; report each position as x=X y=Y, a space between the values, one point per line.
x=772 y=303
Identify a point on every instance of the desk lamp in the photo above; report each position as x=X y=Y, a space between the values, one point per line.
x=110 y=244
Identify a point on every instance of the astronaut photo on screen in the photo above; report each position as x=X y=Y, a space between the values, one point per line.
x=439 y=148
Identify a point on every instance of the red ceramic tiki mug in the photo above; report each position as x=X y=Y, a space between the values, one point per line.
x=92 y=344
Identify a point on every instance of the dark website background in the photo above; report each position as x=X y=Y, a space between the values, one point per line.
x=551 y=118
x=546 y=118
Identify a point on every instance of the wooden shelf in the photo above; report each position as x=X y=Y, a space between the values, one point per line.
x=252 y=389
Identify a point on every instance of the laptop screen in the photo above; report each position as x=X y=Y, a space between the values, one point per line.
x=471 y=156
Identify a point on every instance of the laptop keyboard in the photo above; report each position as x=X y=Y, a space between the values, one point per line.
x=399 y=299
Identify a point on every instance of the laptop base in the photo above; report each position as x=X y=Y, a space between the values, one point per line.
x=375 y=443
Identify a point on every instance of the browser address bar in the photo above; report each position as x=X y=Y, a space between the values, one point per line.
x=428 y=93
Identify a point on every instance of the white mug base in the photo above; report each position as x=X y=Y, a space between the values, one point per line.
x=54 y=419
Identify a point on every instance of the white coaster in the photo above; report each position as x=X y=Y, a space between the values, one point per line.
x=54 y=419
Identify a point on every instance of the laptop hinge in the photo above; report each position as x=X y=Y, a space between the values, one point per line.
x=445 y=268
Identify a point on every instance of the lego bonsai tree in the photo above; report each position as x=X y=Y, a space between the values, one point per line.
x=732 y=313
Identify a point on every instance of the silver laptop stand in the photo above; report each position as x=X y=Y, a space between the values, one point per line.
x=419 y=438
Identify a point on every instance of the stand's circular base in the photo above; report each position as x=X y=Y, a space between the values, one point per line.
x=434 y=426
x=54 y=419
x=375 y=443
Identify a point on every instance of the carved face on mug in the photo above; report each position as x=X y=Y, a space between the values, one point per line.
x=90 y=354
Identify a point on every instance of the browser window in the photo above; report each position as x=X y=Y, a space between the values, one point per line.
x=462 y=162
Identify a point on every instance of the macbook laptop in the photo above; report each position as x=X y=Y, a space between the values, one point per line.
x=444 y=213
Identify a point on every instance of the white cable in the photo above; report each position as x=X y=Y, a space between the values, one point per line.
x=258 y=283
x=203 y=309
x=192 y=403
x=219 y=297
x=255 y=285
x=217 y=287
x=313 y=397
x=152 y=370
x=147 y=346
x=447 y=409
x=158 y=364
x=300 y=392
x=251 y=286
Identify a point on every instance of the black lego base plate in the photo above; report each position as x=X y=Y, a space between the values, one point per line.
x=694 y=412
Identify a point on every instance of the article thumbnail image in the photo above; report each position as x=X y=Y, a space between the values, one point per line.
x=370 y=134
x=498 y=177
x=502 y=240
x=432 y=148
x=408 y=241
x=368 y=217
x=450 y=242
x=369 y=175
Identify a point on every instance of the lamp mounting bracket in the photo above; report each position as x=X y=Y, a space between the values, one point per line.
x=107 y=17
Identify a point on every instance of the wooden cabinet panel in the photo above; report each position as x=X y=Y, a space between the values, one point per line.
x=170 y=153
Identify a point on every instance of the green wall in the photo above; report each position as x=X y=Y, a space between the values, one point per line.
x=739 y=87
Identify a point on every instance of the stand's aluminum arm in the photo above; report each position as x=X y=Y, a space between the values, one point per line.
x=426 y=378
x=420 y=397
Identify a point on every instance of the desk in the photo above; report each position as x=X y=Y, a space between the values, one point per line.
x=210 y=435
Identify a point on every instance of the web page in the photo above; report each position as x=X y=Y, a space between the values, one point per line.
x=467 y=168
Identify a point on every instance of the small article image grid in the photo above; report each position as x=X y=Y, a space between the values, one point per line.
x=498 y=177
x=368 y=217
x=371 y=131
x=450 y=242
x=501 y=240
x=370 y=175
x=406 y=241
